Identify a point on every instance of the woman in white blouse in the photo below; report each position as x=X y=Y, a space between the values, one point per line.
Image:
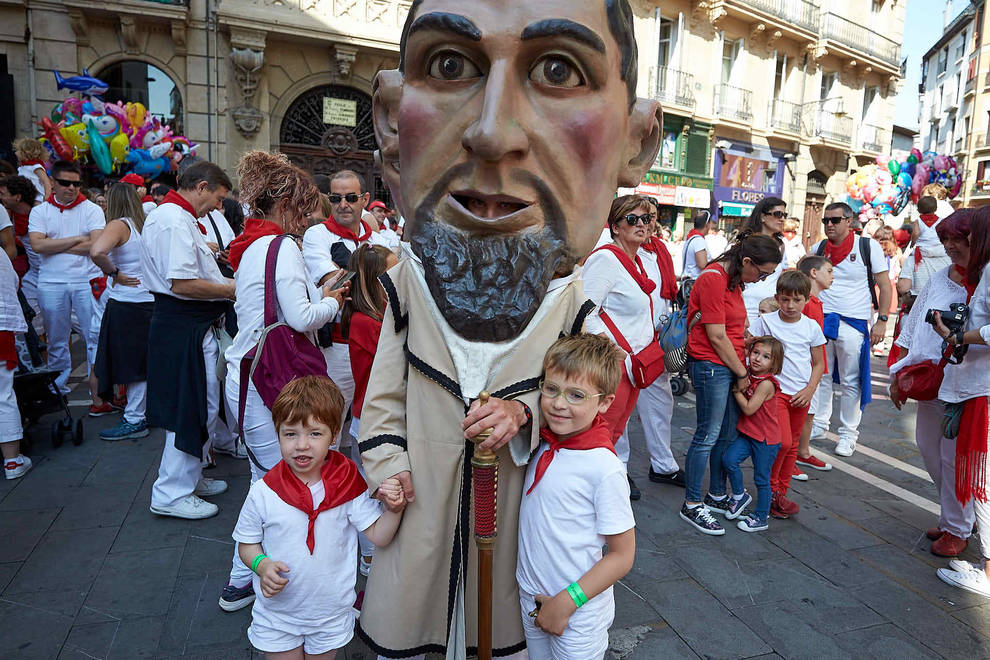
x=627 y=296
x=919 y=342
x=280 y=195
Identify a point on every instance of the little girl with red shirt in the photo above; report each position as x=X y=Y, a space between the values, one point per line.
x=758 y=433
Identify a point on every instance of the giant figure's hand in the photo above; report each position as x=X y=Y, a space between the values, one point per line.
x=506 y=417
x=405 y=480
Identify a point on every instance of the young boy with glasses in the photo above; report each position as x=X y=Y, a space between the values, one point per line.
x=576 y=499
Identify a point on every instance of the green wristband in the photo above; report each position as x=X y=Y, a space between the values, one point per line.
x=577 y=594
x=256 y=561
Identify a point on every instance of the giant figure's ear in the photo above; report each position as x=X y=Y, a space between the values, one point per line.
x=386 y=95
x=643 y=142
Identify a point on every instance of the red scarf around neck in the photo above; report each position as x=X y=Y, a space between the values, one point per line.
x=836 y=253
x=693 y=233
x=253 y=230
x=147 y=198
x=344 y=232
x=341 y=482
x=963 y=274
x=172 y=197
x=598 y=435
x=668 y=281
x=929 y=219
x=80 y=198
x=36 y=163
x=635 y=270
x=20 y=222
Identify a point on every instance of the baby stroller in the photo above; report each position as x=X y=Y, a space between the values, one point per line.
x=673 y=339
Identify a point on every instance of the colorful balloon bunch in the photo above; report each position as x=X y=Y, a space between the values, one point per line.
x=930 y=167
x=887 y=186
x=116 y=137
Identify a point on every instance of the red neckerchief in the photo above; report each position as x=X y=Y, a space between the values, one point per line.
x=692 y=233
x=80 y=198
x=20 y=223
x=971 y=451
x=963 y=274
x=755 y=380
x=39 y=163
x=253 y=230
x=598 y=435
x=929 y=219
x=668 y=281
x=147 y=198
x=635 y=270
x=8 y=351
x=344 y=232
x=341 y=483
x=836 y=253
x=172 y=197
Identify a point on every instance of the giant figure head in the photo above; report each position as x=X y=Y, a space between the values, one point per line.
x=504 y=134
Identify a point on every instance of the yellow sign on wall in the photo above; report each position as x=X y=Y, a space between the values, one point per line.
x=339 y=112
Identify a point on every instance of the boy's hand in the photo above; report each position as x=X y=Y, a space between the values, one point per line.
x=554 y=613
x=802 y=398
x=272 y=581
x=392 y=495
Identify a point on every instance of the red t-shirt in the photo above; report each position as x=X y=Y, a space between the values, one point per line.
x=363 y=342
x=719 y=306
x=762 y=425
x=813 y=310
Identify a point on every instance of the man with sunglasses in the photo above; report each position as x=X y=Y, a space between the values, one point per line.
x=848 y=305
x=61 y=230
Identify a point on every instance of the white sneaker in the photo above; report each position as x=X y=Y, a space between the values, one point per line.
x=364 y=566
x=189 y=507
x=845 y=447
x=963 y=566
x=208 y=487
x=16 y=467
x=972 y=581
x=817 y=434
x=239 y=451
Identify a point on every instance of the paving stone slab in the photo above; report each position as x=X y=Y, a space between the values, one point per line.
x=885 y=642
x=64 y=560
x=135 y=584
x=142 y=530
x=821 y=492
x=31 y=633
x=7 y=573
x=21 y=530
x=205 y=555
x=977 y=617
x=838 y=566
x=95 y=506
x=790 y=636
x=843 y=533
x=647 y=642
x=137 y=638
x=903 y=535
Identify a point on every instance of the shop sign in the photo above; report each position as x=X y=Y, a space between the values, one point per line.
x=699 y=198
x=737 y=210
x=339 y=112
x=663 y=194
x=746 y=178
x=674 y=179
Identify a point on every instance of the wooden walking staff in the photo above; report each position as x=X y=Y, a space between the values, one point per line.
x=484 y=479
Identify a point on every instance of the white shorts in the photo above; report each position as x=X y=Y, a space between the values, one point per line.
x=270 y=640
x=584 y=638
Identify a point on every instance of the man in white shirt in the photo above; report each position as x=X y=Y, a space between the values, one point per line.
x=61 y=230
x=848 y=306
x=190 y=296
x=717 y=242
x=695 y=255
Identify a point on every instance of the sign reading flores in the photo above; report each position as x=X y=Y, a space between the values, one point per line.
x=339 y=112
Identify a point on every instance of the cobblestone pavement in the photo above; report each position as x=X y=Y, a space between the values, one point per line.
x=87 y=572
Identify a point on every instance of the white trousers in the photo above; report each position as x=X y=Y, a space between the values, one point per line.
x=137 y=401
x=10 y=416
x=655 y=407
x=58 y=302
x=179 y=472
x=939 y=455
x=842 y=354
x=584 y=638
x=29 y=285
x=339 y=370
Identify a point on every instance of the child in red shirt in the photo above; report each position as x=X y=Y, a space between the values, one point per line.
x=819 y=269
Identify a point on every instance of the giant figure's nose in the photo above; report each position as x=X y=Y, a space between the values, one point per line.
x=497 y=133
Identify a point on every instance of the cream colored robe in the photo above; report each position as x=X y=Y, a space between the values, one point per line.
x=411 y=420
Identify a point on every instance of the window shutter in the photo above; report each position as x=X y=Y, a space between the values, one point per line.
x=698 y=152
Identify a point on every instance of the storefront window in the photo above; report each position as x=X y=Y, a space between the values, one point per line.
x=140 y=82
x=668 y=152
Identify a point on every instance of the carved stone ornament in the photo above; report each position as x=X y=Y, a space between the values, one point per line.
x=79 y=26
x=247 y=67
x=340 y=140
x=345 y=56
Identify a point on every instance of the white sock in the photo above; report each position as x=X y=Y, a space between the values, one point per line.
x=717 y=498
x=738 y=497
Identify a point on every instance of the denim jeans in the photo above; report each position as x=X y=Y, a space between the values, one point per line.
x=717 y=416
x=763 y=455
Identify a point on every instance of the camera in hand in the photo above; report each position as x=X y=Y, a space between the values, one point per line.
x=955 y=320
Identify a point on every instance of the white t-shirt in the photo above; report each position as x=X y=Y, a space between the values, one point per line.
x=30 y=172
x=717 y=245
x=148 y=207
x=582 y=498
x=849 y=294
x=321 y=585
x=80 y=220
x=172 y=247
x=757 y=291
x=11 y=315
x=613 y=290
x=390 y=237
x=318 y=250
x=692 y=247
x=793 y=251
x=226 y=234
x=798 y=339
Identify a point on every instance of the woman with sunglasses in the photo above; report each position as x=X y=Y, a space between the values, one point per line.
x=767 y=218
x=715 y=359
x=629 y=302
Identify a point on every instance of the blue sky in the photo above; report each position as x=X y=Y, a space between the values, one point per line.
x=922 y=28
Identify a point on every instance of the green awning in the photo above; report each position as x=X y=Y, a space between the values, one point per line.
x=737 y=210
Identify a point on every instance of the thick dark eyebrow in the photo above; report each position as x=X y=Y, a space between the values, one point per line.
x=555 y=27
x=446 y=22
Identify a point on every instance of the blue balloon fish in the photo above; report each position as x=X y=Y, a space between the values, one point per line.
x=84 y=84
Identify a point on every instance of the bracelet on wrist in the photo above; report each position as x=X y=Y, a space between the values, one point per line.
x=577 y=594
x=257 y=561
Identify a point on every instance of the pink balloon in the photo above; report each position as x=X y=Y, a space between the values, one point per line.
x=881 y=161
x=919 y=182
x=941 y=163
x=956 y=188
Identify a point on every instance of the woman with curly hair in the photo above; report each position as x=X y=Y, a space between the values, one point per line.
x=279 y=195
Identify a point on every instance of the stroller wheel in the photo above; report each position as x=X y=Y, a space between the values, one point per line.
x=59 y=429
x=77 y=437
x=678 y=386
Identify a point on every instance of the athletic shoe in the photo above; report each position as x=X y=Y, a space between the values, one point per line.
x=797 y=475
x=814 y=463
x=972 y=581
x=948 y=545
x=634 y=492
x=934 y=533
x=736 y=507
x=235 y=598
x=118 y=403
x=239 y=451
x=16 y=467
x=674 y=478
x=125 y=430
x=189 y=507
x=781 y=507
x=364 y=566
x=818 y=434
x=963 y=566
x=208 y=487
x=753 y=524
x=845 y=447
x=702 y=520
x=719 y=506
x=100 y=411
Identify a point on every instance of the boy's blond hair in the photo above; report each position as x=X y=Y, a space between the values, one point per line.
x=587 y=356
x=30 y=149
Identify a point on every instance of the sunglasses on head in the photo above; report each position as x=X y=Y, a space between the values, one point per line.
x=780 y=215
x=834 y=220
x=634 y=219
x=350 y=197
x=68 y=182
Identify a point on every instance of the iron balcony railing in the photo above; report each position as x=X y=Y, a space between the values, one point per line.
x=860 y=38
x=873 y=138
x=825 y=121
x=802 y=13
x=673 y=86
x=733 y=103
x=785 y=115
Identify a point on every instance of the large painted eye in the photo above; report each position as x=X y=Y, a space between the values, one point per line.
x=556 y=71
x=450 y=65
